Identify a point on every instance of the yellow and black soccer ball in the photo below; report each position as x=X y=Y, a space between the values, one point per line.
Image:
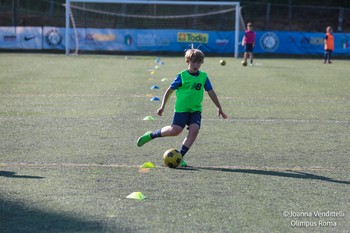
x=172 y=158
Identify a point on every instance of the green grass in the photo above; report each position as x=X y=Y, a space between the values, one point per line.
x=68 y=154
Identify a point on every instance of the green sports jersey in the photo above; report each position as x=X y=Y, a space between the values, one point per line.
x=189 y=96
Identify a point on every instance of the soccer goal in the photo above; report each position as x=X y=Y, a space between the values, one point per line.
x=212 y=16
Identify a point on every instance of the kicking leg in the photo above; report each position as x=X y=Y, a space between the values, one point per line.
x=171 y=130
x=166 y=131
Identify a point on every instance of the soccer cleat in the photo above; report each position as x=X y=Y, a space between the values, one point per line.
x=144 y=139
x=183 y=164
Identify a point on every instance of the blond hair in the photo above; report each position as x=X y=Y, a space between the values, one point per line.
x=194 y=55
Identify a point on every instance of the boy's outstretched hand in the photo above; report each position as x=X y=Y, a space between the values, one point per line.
x=222 y=114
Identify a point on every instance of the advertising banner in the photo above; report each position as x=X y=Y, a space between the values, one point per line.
x=21 y=37
x=167 y=40
x=146 y=40
x=298 y=43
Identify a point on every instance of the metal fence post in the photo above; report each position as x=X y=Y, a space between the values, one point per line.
x=340 y=19
x=267 y=20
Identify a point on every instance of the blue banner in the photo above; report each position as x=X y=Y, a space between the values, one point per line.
x=21 y=37
x=298 y=43
x=150 y=40
x=162 y=40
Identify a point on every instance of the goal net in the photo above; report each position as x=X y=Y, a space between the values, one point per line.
x=157 y=16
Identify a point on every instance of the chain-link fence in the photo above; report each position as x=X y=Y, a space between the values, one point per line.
x=265 y=16
x=284 y=17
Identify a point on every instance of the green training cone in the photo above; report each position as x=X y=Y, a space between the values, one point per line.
x=137 y=196
x=148 y=165
x=149 y=118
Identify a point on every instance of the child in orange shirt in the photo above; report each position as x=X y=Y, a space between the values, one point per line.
x=328 y=45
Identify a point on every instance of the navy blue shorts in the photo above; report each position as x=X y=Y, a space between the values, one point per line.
x=249 y=48
x=187 y=118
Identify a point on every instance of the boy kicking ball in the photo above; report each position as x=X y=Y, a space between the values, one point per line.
x=189 y=86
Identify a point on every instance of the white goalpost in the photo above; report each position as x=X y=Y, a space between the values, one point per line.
x=162 y=13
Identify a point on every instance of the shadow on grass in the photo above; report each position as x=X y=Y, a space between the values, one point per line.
x=17 y=217
x=13 y=175
x=287 y=173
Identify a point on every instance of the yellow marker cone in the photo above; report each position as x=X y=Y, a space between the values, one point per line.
x=149 y=118
x=137 y=196
x=164 y=79
x=147 y=165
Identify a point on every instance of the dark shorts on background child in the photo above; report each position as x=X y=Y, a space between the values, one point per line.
x=249 y=48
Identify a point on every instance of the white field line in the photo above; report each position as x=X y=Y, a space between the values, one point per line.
x=277 y=99
x=166 y=120
x=277 y=120
x=82 y=165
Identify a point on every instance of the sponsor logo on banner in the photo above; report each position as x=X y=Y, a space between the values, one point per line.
x=54 y=38
x=146 y=40
x=192 y=37
x=312 y=40
x=100 y=37
x=221 y=41
x=27 y=38
x=269 y=41
x=345 y=42
x=10 y=37
x=128 y=40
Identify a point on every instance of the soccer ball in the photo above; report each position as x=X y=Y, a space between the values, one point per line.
x=244 y=63
x=222 y=62
x=172 y=158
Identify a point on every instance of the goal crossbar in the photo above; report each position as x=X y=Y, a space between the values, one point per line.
x=159 y=2
x=150 y=2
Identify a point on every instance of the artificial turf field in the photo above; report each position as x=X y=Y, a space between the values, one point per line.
x=68 y=154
